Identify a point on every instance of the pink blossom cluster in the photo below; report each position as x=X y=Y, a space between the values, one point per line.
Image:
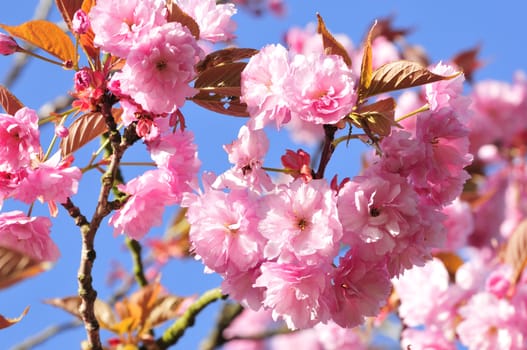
x=314 y=252
x=26 y=176
x=159 y=54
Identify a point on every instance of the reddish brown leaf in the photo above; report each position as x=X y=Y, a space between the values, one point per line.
x=452 y=262
x=68 y=8
x=81 y=131
x=8 y=322
x=417 y=54
x=166 y=308
x=16 y=266
x=332 y=45
x=516 y=250
x=103 y=311
x=45 y=35
x=220 y=57
x=220 y=89
x=379 y=116
x=176 y=14
x=385 y=28
x=9 y=102
x=400 y=75
x=366 y=67
x=468 y=62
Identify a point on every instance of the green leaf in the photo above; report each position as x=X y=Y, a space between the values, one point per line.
x=45 y=35
x=400 y=75
x=331 y=45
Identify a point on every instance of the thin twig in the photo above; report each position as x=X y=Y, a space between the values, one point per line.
x=228 y=313
x=178 y=328
x=135 y=250
x=46 y=334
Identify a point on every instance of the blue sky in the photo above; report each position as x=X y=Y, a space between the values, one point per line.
x=443 y=28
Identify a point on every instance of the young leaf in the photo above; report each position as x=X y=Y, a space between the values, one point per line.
x=366 y=67
x=9 y=102
x=166 y=308
x=81 y=131
x=68 y=8
x=379 y=116
x=220 y=89
x=8 y=322
x=468 y=62
x=176 y=14
x=16 y=266
x=400 y=75
x=45 y=35
x=516 y=251
x=223 y=56
x=103 y=311
x=331 y=45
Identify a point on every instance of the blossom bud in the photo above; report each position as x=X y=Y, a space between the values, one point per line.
x=8 y=45
x=80 y=22
x=61 y=131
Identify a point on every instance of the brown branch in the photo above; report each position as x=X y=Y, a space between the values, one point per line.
x=227 y=314
x=86 y=291
x=46 y=334
x=327 y=150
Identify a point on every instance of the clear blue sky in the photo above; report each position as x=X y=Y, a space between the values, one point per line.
x=443 y=28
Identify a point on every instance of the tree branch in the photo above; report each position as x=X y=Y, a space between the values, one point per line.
x=176 y=331
x=327 y=150
x=227 y=314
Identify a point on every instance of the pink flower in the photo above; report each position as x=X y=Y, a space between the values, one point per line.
x=400 y=152
x=459 y=224
x=444 y=140
x=51 y=181
x=301 y=223
x=427 y=339
x=159 y=68
x=80 y=22
x=295 y=293
x=379 y=208
x=223 y=231
x=262 y=88
x=320 y=88
x=490 y=323
x=8 y=45
x=89 y=88
x=361 y=289
x=240 y=286
x=177 y=152
x=149 y=196
x=447 y=93
x=119 y=24
x=298 y=164
x=19 y=139
x=331 y=336
x=214 y=20
x=417 y=287
x=28 y=235
x=247 y=154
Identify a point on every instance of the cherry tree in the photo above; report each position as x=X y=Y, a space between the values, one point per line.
x=305 y=256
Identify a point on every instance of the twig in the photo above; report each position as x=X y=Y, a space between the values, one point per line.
x=327 y=150
x=42 y=11
x=46 y=334
x=135 y=250
x=227 y=314
x=178 y=328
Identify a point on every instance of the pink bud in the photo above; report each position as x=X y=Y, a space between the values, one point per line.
x=8 y=45
x=61 y=131
x=80 y=22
